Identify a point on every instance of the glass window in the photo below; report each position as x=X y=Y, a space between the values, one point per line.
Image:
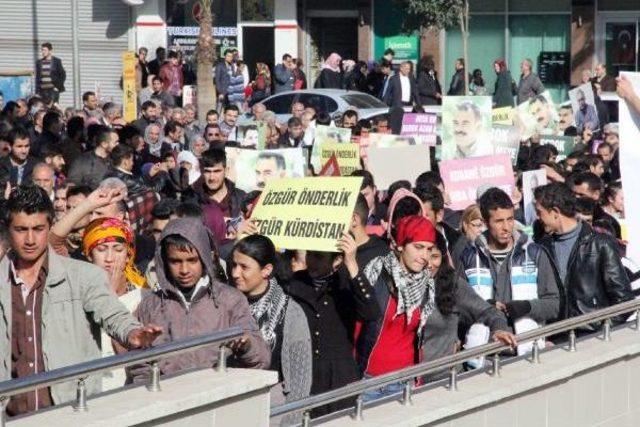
x=257 y=10
x=280 y=104
x=487 y=6
x=620 y=47
x=540 y=6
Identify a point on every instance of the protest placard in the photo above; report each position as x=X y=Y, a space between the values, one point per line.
x=347 y=156
x=537 y=116
x=252 y=169
x=584 y=107
x=391 y=164
x=420 y=126
x=564 y=144
x=387 y=140
x=530 y=181
x=307 y=213
x=327 y=135
x=464 y=177
x=252 y=135
x=331 y=167
x=506 y=140
x=629 y=120
x=502 y=116
x=466 y=127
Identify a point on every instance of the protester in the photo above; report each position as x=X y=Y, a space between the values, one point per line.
x=283 y=74
x=457 y=86
x=429 y=90
x=330 y=76
x=50 y=74
x=402 y=90
x=505 y=88
x=530 y=84
x=91 y=167
x=18 y=165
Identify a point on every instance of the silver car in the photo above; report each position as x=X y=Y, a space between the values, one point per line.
x=333 y=101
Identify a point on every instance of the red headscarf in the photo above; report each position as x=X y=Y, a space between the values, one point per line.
x=415 y=228
x=501 y=63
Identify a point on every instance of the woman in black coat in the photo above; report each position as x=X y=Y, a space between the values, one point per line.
x=331 y=76
x=505 y=85
x=429 y=90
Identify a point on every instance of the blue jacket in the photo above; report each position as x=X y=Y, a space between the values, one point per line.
x=284 y=79
x=527 y=263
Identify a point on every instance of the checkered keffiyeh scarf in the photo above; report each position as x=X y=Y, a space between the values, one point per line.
x=269 y=311
x=415 y=290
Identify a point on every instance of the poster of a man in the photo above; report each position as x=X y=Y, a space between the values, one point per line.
x=530 y=181
x=466 y=127
x=584 y=110
x=566 y=120
x=538 y=116
x=252 y=169
x=269 y=165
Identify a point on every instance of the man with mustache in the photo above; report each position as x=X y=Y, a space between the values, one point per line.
x=540 y=109
x=467 y=131
x=566 y=119
x=586 y=113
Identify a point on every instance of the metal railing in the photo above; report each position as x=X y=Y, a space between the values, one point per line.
x=81 y=371
x=407 y=375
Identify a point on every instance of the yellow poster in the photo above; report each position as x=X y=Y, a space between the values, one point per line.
x=129 y=96
x=502 y=116
x=347 y=155
x=307 y=213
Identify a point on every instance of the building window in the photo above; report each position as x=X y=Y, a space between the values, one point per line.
x=257 y=10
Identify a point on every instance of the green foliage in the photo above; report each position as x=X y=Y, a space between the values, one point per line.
x=422 y=14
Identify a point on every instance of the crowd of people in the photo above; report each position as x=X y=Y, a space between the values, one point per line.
x=120 y=235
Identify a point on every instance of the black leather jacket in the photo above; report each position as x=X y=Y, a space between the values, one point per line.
x=595 y=276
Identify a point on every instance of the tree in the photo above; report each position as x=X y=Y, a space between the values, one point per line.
x=205 y=56
x=421 y=15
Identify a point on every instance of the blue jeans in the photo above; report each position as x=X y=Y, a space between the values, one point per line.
x=381 y=392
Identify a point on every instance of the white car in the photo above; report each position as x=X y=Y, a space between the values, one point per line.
x=333 y=101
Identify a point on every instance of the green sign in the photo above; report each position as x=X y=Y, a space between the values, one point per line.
x=388 y=33
x=405 y=47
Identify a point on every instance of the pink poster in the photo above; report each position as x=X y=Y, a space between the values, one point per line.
x=464 y=177
x=421 y=126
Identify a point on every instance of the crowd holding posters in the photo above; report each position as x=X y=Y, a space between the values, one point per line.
x=391 y=164
x=252 y=169
x=347 y=156
x=506 y=140
x=530 y=181
x=420 y=126
x=308 y=213
x=463 y=178
x=502 y=116
x=629 y=161
x=584 y=107
x=466 y=127
x=538 y=116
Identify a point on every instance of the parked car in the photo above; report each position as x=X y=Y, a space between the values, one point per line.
x=333 y=101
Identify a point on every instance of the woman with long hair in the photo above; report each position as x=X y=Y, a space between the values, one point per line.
x=505 y=88
x=254 y=271
x=455 y=303
x=261 y=86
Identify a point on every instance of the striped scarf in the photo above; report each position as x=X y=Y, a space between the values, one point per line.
x=269 y=311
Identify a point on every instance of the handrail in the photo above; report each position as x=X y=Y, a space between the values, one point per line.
x=82 y=370
x=450 y=362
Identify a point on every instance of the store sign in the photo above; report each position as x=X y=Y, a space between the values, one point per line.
x=405 y=47
x=187 y=38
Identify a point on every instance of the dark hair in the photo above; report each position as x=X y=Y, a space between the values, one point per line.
x=389 y=51
x=431 y=195
x=605 y=145
x=556 y=195
x=429 y=179
x=323 y=118
x=76 y=190
x=406 y=206
x=395 y=186
x=50 y=151
x=164 y=209
x=294 y=121
x=103 y=135
x=171 y=126
x=16 y=133
x=286 y=56
x=445 y=280
x=179 y=242
x=249 y=199
x=349 y=114
x=119 y=153
x=156 y=78
x=29 y=199
x=213 y=157
x=259 y=248
x=86 y=95
x=542 y=154
x=160 y=50
x=232 y=108
x=279 y=158
x=50 y=118
x=593 y=182
x=148 y=104
x=492 y=199
x=190 y=210
x=75 y=127
x=361 y=209
x=587 y=162
x=47 y=45
x=611 y=191
x=585 y=206
x=212 y=112
x=172 y=54
x=367 y=178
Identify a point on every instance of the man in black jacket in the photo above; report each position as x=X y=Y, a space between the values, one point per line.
x=17 y=167
x=457 y=81
x=402 y=90
x=588 y=263
x=50 y=74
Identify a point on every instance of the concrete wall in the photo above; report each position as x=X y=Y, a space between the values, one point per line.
x=238 y=397
x=597 y=386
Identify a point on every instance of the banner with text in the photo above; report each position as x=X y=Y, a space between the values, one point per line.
x=564 y=145
x=420 y=126
x=347 y=156
x=308 y=213
x=502 y=116
x=464 y=177
x=506 y=140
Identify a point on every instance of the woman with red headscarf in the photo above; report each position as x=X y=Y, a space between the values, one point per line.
x=506 y=87
x=406 y=295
